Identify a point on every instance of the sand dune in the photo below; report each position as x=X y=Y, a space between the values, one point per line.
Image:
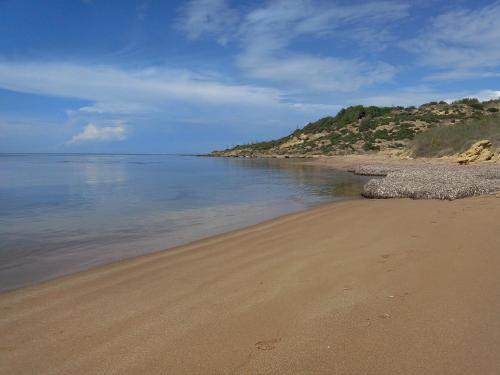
x=358 y=287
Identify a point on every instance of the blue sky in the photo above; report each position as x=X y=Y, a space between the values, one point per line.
x=157 y=76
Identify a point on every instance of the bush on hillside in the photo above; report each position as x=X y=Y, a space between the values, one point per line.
x=369 y=146
x=453 y=139
x=260 y=146
x=358 y=112
x=367 y=124
x=326 y=123
x=471 y=102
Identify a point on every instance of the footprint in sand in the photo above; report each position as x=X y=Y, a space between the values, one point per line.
x=384 y=316
x=267 y=344
x=7 y=348
x=384 y=257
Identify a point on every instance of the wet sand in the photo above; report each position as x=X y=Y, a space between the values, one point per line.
x=356 y=287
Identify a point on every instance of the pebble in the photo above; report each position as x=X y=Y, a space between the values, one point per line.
x=447 y=182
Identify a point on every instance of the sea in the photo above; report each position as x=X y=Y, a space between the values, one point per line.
x=62 y=213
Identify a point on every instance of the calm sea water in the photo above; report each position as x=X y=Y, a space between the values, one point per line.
x=64 y=213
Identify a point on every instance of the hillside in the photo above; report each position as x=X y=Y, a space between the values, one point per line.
x=361 y=129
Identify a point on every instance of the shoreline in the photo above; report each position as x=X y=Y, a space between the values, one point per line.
x=40 y=244
x=441 y=179
x=346 y=163
x=338 y=287
x=181 y=246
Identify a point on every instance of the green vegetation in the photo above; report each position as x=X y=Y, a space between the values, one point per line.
x=368 y=146
x=471 y=102
x=345 y=117
x=326 y=123
x=367 y=124
x=266 y=145
x=369 y=128
x=428 y=104
x=358 y=112
x=448 y=140
x=404 y=132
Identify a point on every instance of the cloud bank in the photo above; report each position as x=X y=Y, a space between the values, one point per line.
x=266 y=33
x=112 y=89
x=92 y=132
x=464 y=43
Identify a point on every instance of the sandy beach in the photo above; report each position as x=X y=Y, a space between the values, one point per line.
x=269 y=187
x=356 y=287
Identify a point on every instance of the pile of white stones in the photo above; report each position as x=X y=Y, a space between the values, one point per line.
x=430 y=181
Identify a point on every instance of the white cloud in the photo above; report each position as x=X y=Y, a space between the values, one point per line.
x=408 y=97
x=421 y=95
x=317 y=73
x=461 y=74
x=483 y=95
x=462 y=41
x=111 y=89
x=292 y=18
x=207 y=18
x=316 y=107
x=265 y=35
x=93 y=132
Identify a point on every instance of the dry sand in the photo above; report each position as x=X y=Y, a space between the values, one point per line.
x=358 y=287
x=352 y=161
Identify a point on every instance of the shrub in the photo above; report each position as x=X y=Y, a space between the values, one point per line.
x=429 y=117
x=368 y=137
x=325 y=149
x=265 y=145
x=369 y=146
x=382 y=134
x=492 y=109
x=471 y=102
x=406 y=117
x=326 y=123
x=335 y=137
x=355 y=113
x=404 y=132
x=452 y=139
x=350 y=138
x=367 y=124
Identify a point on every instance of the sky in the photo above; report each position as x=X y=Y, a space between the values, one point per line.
x=160 y=76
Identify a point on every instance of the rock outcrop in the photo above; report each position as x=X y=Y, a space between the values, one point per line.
x=479 y=151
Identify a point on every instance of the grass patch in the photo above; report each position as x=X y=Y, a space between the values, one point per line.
x=448 y=140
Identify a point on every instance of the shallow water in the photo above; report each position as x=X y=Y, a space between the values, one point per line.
x=64 y=213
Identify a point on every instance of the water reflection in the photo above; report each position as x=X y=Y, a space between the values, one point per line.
x=61 y=213
x=321 y=179
x=102 y=173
